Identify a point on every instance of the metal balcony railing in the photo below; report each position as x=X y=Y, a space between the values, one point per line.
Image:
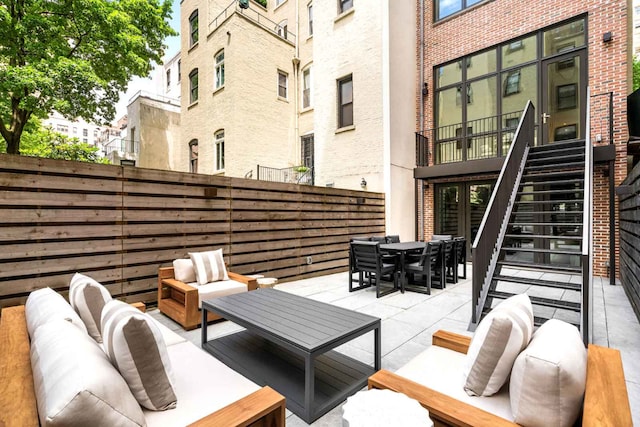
x=294 y=175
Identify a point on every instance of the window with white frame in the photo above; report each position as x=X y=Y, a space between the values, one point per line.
x=344 y=5
x=168 y=78
x=345 y=101
x=279 y=2
x=193 y=86
x=219 y=141
x=193 y=156
x=306 y=88
x=193 y=28
x=281 y=29
x=283 y=83
x=219 y=69
x=310 y=13
x=179 y=70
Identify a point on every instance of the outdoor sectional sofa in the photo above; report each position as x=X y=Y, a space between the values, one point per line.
x=431 y=379
x=208 y=392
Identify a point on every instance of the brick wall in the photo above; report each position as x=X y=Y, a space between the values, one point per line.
x=493 y=22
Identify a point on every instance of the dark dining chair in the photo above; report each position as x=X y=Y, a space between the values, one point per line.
x=362 y=282
x=461 y=256
x=449 y=261
x=428 y=266
x=367 y=258
x=394 y=238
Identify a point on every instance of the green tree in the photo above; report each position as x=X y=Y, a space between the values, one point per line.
x=44 y=142
x=73 y=56
x=636 y=73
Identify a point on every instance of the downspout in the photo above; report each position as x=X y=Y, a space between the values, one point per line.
x=419 y=190
x=612 y=202
x=296 y=74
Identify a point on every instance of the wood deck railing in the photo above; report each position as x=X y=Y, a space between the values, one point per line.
x=119 y=224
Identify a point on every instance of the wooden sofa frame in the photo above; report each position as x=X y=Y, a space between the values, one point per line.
x=179 y=300
x=18 y=408
x=606 y=402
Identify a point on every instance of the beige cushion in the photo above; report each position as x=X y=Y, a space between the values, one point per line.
x=87 y=297
x=45 y=305
x=136 y=347
x=498 y=340
x=209 y=266
x=183 y=270
x=203 y=385
x=549 y=377
x=75 y=383
x=439 y=369
x=219 y=289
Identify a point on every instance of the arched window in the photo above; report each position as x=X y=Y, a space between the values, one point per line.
x=219 y=58
x=219 y=141
x=193 y=28
x=193 y=86
x=193 y=156
x=281 y=29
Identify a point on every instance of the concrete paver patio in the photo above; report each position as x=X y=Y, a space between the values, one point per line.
x=409 y=320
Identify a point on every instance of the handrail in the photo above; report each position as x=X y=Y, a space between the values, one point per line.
x=586 y=317
x=496 y=217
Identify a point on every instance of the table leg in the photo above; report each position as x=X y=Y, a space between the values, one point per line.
x=203 y=333
x=309 y=386
x=377 y=348
x=403 y=273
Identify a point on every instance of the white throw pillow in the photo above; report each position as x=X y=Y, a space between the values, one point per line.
x=498 y=340
x=87 y=297
x=209 y=266
x=549 y=377
x=45 y=305
x=137 y=349
x=75 y=384
x=183 y=270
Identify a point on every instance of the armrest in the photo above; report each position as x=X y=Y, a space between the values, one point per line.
x=165 y=273
x=441 y=407
x=265 y=404
x=606 y=402
x=17 y=393
x=252 y=284
x=451 y=340
x=178 y=285
x=140 y=306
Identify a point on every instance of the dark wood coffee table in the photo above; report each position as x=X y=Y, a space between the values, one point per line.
x=288 y=344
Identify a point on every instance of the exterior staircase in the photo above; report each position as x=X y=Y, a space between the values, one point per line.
x=542 y=245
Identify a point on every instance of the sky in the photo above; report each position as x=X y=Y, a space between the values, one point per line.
x=145 y=84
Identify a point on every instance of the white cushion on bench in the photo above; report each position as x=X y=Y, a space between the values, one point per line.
x=218 y=289
x=203 y=385
x=440 y=369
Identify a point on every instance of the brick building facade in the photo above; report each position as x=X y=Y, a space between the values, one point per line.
x=465 y=59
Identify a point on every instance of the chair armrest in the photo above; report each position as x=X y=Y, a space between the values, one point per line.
x=166 y=273
x=451 y=340
x=442 y=408
x=265 y=405
x=606 y=402
x=140 y=306
x=178 y=285
x=252 y=284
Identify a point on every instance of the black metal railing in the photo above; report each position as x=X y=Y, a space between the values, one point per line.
x=293 y=175
x=586 y=317
x=485 y=248
x=475 y=139
x=422 y=150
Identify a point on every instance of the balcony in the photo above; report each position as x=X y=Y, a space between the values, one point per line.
x=294 y=175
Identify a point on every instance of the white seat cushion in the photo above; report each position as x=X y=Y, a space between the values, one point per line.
x=440 y=369
x=203 y=385
x=549 y=377
x=219 y=289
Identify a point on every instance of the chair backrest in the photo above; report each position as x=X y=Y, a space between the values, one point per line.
x=448 y=249
x=366 y=255
x=431 y=254
x=461 y=248
x=394 y=238
x=379 y=239
x=441 y=237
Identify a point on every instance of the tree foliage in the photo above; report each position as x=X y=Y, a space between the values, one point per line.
x=74 y=56
x=636 y=73
x=44 y=142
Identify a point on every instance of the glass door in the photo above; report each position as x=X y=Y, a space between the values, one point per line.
x=564 y=92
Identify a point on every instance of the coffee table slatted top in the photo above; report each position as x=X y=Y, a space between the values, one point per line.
x=302 y=322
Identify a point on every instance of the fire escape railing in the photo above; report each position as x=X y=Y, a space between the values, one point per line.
x=496 y=217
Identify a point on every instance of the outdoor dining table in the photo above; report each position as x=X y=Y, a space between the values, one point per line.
x=403 y=249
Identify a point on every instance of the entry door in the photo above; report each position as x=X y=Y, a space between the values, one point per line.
x=564 y=92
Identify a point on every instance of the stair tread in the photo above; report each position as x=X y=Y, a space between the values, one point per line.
x=525 y=202
x=542 y=236
x=525 y=183
x=547 y=213
x=559 y=191
x=538 y=282
x=544 y=224
x=540 y=267
x=541 y=251
x=551 y=174
x=558 y=146
x=547 y=302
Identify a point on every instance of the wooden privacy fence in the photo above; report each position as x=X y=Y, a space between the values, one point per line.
x=119 y=224
x=629 y=197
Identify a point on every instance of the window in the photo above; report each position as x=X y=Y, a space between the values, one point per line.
x=193 y=86
x=220 y=69
x=279 y=2
x=179 y=71
x=168 y=78
x=219 y=136
x=345 y=102
x=306 y=88
x=344 y=5
x=310 y=11
x=62 y=128
x=445 y=8
x=193 y=156
x=282 y=84
x=306 y=144
x=459 y=94
x=75 y=130
x=132 y=143
x=85 y=132
x=85 y=140
x=512 y=83
x=193 y=27
x=281 y=29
